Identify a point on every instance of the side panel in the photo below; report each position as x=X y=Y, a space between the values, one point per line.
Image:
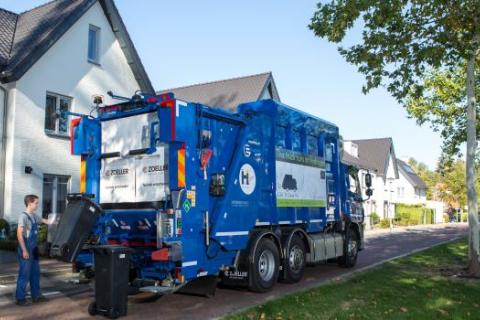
x=300 y=180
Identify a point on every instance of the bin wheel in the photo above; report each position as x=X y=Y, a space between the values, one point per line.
x=295 y=261
x=263 y=273
x=92 y=308
x=113 y=314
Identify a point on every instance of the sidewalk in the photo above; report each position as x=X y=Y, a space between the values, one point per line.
x=9 y=267
x=371 y=233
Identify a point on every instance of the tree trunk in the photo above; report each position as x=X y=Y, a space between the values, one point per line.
x=474 y=231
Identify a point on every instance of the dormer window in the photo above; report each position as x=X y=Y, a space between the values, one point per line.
x=94 y=44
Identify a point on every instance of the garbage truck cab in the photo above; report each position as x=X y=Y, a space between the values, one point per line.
x=200 y=194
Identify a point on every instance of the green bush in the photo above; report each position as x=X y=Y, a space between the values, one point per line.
x=385 y=223
x=407 y=215
x=374 y=218
x=464 y=217
x=42 y=233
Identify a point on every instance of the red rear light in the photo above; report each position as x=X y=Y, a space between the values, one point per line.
x=151 y=100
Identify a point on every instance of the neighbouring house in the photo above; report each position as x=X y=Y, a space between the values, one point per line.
x=393 y=180
x=229 y=93
x=409 y=187
x=376 y=156
x=54 y=58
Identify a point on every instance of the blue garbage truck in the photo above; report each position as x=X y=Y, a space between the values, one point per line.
x=201 y=195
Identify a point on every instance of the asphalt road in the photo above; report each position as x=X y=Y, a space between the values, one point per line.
x=69 y=301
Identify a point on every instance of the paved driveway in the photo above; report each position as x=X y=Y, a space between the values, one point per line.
x=71 y=301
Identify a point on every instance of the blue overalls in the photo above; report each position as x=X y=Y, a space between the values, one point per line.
x=29 y=268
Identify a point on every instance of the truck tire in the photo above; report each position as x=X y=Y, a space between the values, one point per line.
x=350 y=249
x=263 y=272
x=295 y=260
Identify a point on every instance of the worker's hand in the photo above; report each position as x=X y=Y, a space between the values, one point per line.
x=25 y=255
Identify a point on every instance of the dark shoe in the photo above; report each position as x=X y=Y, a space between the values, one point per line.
x=40 y=299
x=21 y=302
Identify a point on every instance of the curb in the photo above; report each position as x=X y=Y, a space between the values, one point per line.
x=343 y=277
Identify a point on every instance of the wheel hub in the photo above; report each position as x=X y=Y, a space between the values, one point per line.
x=266 y=265
x=295 y=258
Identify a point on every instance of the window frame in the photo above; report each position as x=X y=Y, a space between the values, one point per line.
x=97 y=30
x=56 y=132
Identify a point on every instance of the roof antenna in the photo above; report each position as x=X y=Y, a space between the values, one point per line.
x=113 y=96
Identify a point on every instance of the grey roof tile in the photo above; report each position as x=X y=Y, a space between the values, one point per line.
x=410 y=175
x=226 y=94
x=25 y=37
x=373 y=154
x=8 y=21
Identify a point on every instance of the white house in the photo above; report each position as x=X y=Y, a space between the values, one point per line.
x=376 y=156
x=393 y=180
x=53 y=58
x=409 y=188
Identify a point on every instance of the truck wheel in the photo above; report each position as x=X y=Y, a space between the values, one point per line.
x=295 y=260
x=350 y=249
x=263 y=272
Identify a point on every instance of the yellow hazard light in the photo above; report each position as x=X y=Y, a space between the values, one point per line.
x=83 y=176
x=181 y=167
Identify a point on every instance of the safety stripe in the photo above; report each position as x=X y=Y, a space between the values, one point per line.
x=284 y=222
x=189 y=263
x=316 y=220
x=231 y=233
x=262 y=223
x=83 y=176
x=181 y=167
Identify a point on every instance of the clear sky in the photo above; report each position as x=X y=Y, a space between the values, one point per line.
x=186 y=42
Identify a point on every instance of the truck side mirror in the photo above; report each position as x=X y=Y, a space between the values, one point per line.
x=368 y=180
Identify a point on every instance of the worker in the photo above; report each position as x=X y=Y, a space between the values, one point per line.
x=27 y=252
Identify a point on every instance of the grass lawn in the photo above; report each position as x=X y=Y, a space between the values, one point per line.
x=420 y=286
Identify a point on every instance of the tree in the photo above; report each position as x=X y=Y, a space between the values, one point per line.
x=443 y=107
x=401 y=41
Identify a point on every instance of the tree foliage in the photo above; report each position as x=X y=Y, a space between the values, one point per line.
x=401 y=39
x=443 y=107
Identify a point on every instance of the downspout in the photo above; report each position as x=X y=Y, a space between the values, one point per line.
x=3 y=151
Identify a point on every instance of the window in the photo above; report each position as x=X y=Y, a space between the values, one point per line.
x=55 y=121
x=55 y=190
x=93 y=44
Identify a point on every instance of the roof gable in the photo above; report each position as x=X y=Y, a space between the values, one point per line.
x=37 y=30
x=229 y=93
x=410 y=175
x=374 y=154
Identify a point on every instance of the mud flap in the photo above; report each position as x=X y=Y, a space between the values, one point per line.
x=74 y=227
x=203 y=286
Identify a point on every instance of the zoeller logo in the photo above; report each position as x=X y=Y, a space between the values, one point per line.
x=247 y=179
x=116 y=172
x=153 y=168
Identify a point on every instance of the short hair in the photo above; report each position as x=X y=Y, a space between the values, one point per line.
x=29 y=198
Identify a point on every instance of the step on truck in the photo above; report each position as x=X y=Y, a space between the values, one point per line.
x=202 y=195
